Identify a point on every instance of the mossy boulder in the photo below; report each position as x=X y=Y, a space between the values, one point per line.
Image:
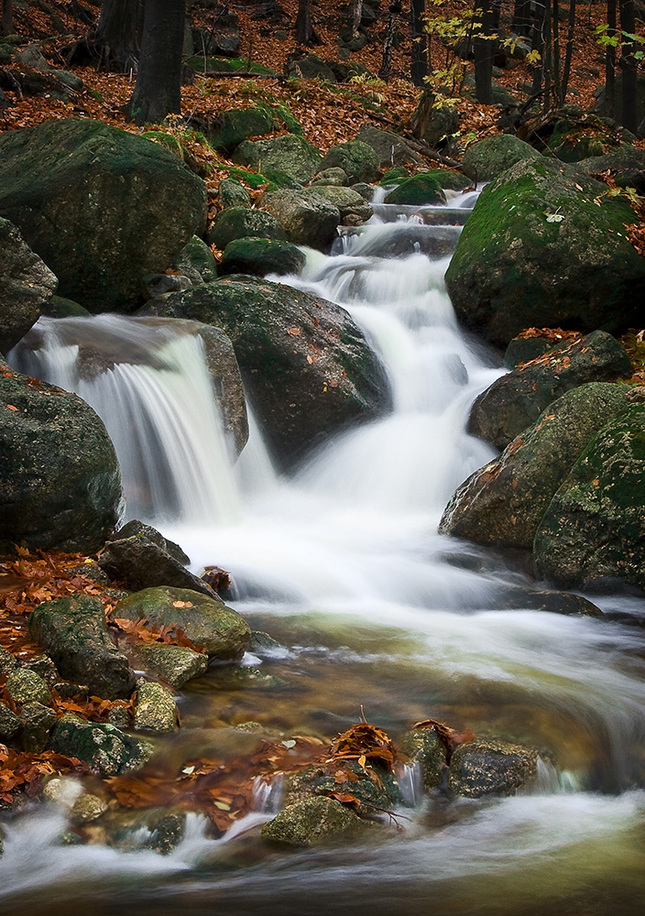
x=261 y=257
x=241 y=222
x=372 y=787
x=594 y=528
x=306 y=216
x=176 y=665
x=391 y=149
x=25 y=686
x=314 y=822
x=27 y=286
x=61 y=486
x=290 y=154
x=422 y=188
x=154 y=708
x=348 y=202
x=307 y=367
x=546 y=246
x=196 y=261
x=515 y=401
x=503 y=502
x=358 y=160
x=74 y=633
x=210 y=625
x=232 y=127
x=104 y=747
x=491 y=767
x=488 y=158
x=102 y=207
x=233 y=194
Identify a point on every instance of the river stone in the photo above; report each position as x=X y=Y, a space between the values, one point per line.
x=101 y=206
x=74 y=633
x=155 y=708
x=347 y=201
x=424 y=747
x=232 y=194
x=105 y=748
x=7 y=661
x=306 y=216
x=140 y=563
x=594 y=528
x=333 y=178
x=238 y=124
x=196 y=261
x=524 y=349
x=289 y=154
x=423 y=188
x=206 y=622
x=391 y=149
x=546 y=246
x=488 y=158
x=547 y=601
x=376 y=792
x=491 y=767
x=60 y=307
x=307 y=367
x=9 y=722
x=313 y=822
x=37 y=722
x=358 y=160
x=136 y=528
x=88 y=808
x=61 y=487
x=25 y=686
x=27 y=286
x=240 y=222
x=261 y=257
x=515 y=401
x=503 y=502
x=176 y=665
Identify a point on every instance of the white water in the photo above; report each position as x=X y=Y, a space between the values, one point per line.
x=345 y=558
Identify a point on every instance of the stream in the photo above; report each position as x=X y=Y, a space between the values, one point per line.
x=342 y=564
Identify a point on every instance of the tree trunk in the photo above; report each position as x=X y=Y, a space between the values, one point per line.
x=7 y=17
x=419 y=68
x=521 y=23
x=157 y=91
x=304 y=28
x=386 y=63
x=610 y=60
x=117 y=33
x=537 y=44
x=628 y=65
x=564 y=87
x=483 y=48
x=355 y=14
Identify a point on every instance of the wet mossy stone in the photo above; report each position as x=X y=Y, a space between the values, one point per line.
x=524 y=349
x=491 y=767
x=306 y=216
x=276 y=332
x=206 y=622
x=262 y=257
x=594 y=527
x=61 y=482
x=232 y=127
x=233 y=194
x=488 y=158
x=154 y=708
x=545 y=246
x=25 y=686
x=241 y=222
x=349 y=203
x=59 y=307
x=313 y=822
x=290 y=154
x=516 y=400
x=101 y=206
x=176 y=665
x=136 y=528
x=394 y=176
x=422 y=188
x=196 y=261
x=27 y=286
x=74 y=633
x=105 y=748
x=424 y=748
x=373 y=788
x=391 y=149
x=503 y=502
x=358 y=160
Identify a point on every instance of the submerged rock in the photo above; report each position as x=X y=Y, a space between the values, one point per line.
x=424 y=747
x=313 y=822
x=491 y=767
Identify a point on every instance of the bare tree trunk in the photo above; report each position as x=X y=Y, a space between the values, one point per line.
x=386 y=63
x=355 y=14
x=483 y=51
x=569 y=51
x=305 y=34
x=419 y=68
x=117 y=32
x=157 y=91
x=628 y=65
x=537 y=44
x=610 y=60
x=7 y=17
x=555 y=32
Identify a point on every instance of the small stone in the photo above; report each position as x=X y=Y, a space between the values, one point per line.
x=7 y=661
x=491 y=767
x=68 y=690
x=175 y=664
x=155 y=709
x=168 y=833
x=38 y=721
x=103 y=747
x=88 y=808
x=44 y=666
x=62 y=791
x=9 y=722
x=120 y=717
x=312 y=822
x=25 y=686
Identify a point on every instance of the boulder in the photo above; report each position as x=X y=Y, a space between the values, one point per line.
x=10 y=723
x=594 y=527
x=348 y=202
x=491 y=767
x=424 y=747
x=74 y=633
x=176 y=665
x=357 y=159
x=515 y=401
x=232 y=127
x=27 y=286
x=205 y=621
x=307 y=367
x=290 y=154
x=335 y=178
x=311 y=67
x=488 y=158
x=261 y=257
x=503 y=502
x=25 y=686
x=61 y=483
x=523 y=349
x=241 y=222
x=391 y=149
x=196 y=261
x=627 y=165
x=422 y=188
x=37 y=723
x=154 y=708
x=105 y=748
x=314 y=821
x=232 y=194
x=435 y=125
x=546 y=246
x=101 y=206
x=135 y=528
x=306 y=216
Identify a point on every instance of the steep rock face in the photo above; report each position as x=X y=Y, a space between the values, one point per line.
x=101 y=206
x=594 y=528
x=545 y=246
x=61 y=481
x=307 y=367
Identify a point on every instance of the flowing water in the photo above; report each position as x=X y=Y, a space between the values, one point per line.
x=342 y=564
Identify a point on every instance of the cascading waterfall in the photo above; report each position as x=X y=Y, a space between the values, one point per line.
x=342 y=563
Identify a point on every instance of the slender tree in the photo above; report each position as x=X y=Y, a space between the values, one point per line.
x=419 y=68
x=157 y=91
x=7 y=17
x=117 y=33
x=305 y=32
x=483 y=47
x=628 y=64
x=386 y=64
x=610 y=58
x=564 y=86
x=355 y=14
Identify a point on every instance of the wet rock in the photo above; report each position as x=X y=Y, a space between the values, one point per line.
x=314 y=821
x=196 y=261
x=206 y=622
x=233 y=194
x=88 y=808
x=136 y=528
x=516 y=400
x=491 y=767
x=306 y=216
x=524 y=349
x=25 y=686
x=176 y=665
x=423 y=188
x=106 y=749
x=348 y=202
x=358 y=160
x=289 y=154
x=503 y=502
x=261 y=257
x=488 y=158
x=141 y=563
x=167 y=833
x=155 y=709
x=37 y=722
x=594 y=528
x=74 y=632
x=61 y=482
x=9 y=722
x=238 y=124
x=27 y=286
x=390 y=148
x=7 y=661
x=374 y=788
x=240 y=222
x=424 y=747
x=548 y=601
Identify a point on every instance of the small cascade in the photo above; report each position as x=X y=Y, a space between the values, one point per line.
x=151 y=387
